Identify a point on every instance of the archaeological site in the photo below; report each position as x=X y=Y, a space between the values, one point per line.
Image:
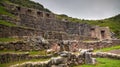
x=36 y=37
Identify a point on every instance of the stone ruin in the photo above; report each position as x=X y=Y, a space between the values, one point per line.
x=101 y=33
x=65 y=59
x=43 y=23
x=43 y=31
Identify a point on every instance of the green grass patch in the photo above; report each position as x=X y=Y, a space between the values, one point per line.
x=3 y=11
x=108 y=49
x=43 y=52
x=103 y=62
x=11 y=51
x=8 y=39
x=10 y=24
x=3 y=22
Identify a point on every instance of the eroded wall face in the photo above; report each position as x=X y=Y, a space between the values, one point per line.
x=101 y=33
x=93 y=34
x=105 y=33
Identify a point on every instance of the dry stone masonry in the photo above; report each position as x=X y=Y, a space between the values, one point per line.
x=41 y=21
x=66 y=59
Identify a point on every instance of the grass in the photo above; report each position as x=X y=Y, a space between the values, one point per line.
x=109 y=49
x=43 y=52
x=10 y=24
x=22 y=61
x=3 y=11
x=103 y=62
x=8 y=39
x=3 y=22
x=11 y=51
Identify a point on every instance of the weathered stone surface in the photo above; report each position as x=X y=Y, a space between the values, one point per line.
x=106 y=55
x=10 y=57
x=33 y=43
x=98 y=44
x=87 y=55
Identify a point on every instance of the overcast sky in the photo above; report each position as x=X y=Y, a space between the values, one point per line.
x=83 y=9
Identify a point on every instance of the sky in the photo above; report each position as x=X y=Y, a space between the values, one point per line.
x=83 y=9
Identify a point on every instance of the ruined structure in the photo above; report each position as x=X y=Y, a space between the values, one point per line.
x=102 y=33
x=40 y=30
x=32 y=22
x=45 y=24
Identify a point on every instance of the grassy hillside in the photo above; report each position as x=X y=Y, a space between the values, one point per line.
x=67 y=18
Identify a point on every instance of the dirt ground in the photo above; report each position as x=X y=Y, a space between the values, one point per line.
x=115 y=51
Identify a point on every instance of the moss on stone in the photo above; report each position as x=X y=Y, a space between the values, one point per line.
x=8 y=39
x=3 y=22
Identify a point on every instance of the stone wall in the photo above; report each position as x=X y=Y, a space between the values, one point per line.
x=6 y=31
x=99 y=44
x=11 y=57
x=66 y=60
x=23 y=46
x=74 y=45
x=66 y=45
x=44 y=21
x=102 y=33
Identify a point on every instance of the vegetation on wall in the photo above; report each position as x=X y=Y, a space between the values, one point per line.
x=3 y=11
x=67 y=18
x=8 y=39
x=6 y=23
x=29 y=4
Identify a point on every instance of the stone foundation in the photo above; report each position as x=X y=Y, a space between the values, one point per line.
x=67 y=60
x=75 y=45
x=68 y=45
x=99 y=44
x=22 y=46
x=11 y=57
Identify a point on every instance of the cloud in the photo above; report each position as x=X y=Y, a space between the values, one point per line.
x=85 y=9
